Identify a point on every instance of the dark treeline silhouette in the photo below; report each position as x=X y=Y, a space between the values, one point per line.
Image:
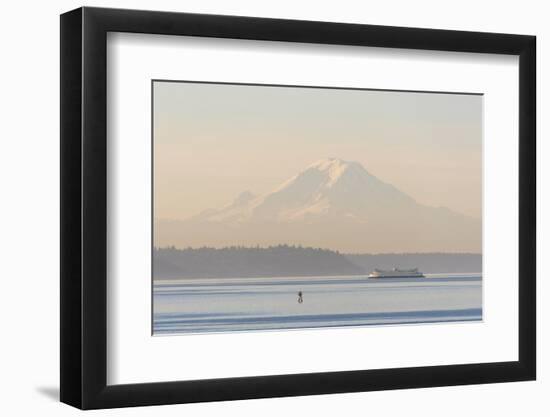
x=285 y=260
x=273 y=261
x=429 y=263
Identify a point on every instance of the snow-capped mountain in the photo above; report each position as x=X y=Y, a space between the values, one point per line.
x=330 y=187
x=333 y=204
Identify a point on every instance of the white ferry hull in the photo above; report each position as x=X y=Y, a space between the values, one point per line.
x=397 y=276
x=396 y=273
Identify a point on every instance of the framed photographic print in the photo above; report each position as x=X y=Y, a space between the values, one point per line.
x=257 y=207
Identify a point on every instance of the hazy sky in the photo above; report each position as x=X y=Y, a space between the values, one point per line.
x=212 y=142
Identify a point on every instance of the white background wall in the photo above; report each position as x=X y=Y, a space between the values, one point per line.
x=29 y=236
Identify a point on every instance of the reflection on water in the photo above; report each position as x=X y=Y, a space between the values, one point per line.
x=240 y=304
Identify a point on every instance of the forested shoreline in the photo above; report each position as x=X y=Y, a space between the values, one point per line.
x=286 y=260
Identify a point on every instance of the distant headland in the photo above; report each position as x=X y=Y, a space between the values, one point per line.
x=287 y=260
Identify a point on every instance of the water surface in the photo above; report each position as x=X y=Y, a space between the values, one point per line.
x=244 y=304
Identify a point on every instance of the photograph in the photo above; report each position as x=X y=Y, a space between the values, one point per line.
x=279 y=207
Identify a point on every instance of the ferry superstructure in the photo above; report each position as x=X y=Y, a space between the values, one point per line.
x=396 y=273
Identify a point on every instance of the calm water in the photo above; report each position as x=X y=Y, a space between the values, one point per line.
x=239 y=304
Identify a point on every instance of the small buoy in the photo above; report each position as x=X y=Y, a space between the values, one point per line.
x=300 y=298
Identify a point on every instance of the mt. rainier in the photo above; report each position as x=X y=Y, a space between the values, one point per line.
x=332 y=204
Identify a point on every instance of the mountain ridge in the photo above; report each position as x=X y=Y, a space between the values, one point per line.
x=326 y=205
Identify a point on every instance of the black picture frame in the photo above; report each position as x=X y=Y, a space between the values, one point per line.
x=84 y=207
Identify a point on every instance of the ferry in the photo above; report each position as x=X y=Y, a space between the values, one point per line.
x=396 y=273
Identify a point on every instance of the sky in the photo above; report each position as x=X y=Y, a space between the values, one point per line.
x=214 y=141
